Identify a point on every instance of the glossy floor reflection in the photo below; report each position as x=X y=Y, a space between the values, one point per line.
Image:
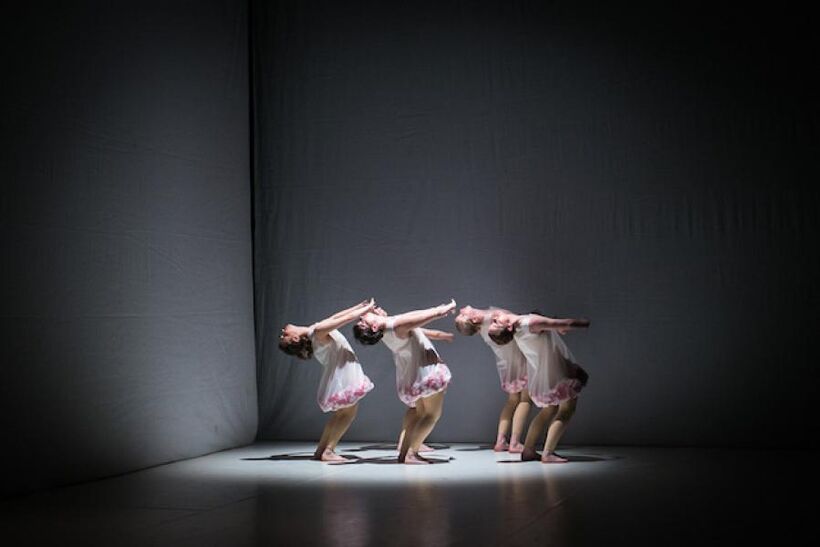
x=272 y=494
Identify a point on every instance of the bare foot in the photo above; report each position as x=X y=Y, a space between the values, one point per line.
x=529 y=455
x=414 y=459
x=516 y=448
x=500 y=446
x=552 y=457
x=425 y=448
x=330 y=456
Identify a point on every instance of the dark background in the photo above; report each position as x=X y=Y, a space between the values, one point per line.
x=649 y=167
x=127 y=323
x=646 y=166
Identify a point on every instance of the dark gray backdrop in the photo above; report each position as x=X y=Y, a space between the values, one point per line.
x=644 y=166
x=127 y=310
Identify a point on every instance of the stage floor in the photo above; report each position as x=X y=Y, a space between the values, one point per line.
x=272 y=494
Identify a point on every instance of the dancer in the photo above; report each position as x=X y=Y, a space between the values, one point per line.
x=421 y=376
x=555 y=379
x=343 y=382
x=512 y=371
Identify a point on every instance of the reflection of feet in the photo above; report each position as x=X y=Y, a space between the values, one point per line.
x=330 y=456
x=425 y=448
x=516 y=448
x=529 y=455
x=552 y=457
x=414 y=459
x=500 y=446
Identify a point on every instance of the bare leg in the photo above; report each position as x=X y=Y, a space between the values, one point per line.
x=518 y=421
x=407 y=424
x=556 y=430
x=345 y=417
x=323 y=451
x=408 y=419
x=430 y=408
x=504 y=422
x=537 y=426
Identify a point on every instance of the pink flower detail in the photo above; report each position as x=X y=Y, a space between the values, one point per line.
x=515 y=385
x=565 y=390
x=348 y=396
x=434 y=382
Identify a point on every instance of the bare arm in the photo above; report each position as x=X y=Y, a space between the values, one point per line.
x=434 y=334
x=323 y=327
x=406 y=322
x=539 y=323
x=351 y=308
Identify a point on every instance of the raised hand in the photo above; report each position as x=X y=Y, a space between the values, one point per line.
x=447 y=308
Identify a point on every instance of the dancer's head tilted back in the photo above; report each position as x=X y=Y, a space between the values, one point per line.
x=502 y=329
x=468 y=320
x=370 y=328
x=295 y=341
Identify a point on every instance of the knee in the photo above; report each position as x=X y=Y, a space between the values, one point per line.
x=431 y=416
x=349 y=411
x=565 y=414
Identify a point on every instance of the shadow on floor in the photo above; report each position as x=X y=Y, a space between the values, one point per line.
x=476 y=449
x=390 y=460
x=572 y=459
x=283 y=457
x=390 y=446
x=382 y=446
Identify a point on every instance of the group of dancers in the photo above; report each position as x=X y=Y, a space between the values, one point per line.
x=534 y=365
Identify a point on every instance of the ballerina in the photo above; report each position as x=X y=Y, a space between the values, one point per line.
x=343 y=382
x=555 y=379
x=512 y=371
x=421 y=376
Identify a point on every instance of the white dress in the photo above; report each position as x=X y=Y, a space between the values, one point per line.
x=343 y=381
x=419 y=370
x=554 y=376
x=511 y=363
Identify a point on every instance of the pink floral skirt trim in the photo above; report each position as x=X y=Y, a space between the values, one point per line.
x=347 y=397
x=515 y=386
x=564 y=391
x=436 y=380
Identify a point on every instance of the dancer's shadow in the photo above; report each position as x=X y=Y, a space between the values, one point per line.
x=476 y=449
x=571 y=458
x=593 y=458
x=282 y=457
x=390 y=460
x=382 y=446
x=298 y=457
x=389 y=446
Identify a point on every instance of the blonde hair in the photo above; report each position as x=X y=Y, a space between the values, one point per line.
x=467 y=328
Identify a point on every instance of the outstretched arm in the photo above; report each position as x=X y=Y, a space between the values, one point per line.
x=539 y=323
x=405 y=322
x=323 y=327
x=434 y=334
x=351 y=308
